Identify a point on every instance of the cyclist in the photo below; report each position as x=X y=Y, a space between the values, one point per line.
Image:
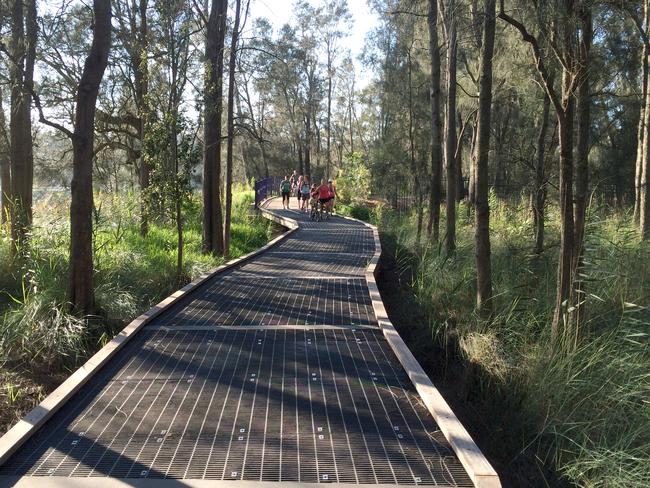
x=324 y=196
x=285 y=189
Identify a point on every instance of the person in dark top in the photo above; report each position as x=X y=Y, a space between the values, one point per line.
x=285 y=189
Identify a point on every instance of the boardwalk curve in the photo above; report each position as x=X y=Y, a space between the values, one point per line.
x=280 y=370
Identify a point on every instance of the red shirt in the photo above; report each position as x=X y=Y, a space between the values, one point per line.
x=323 y=191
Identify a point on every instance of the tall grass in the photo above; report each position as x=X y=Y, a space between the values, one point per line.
x=132 y=272
x=584 y=410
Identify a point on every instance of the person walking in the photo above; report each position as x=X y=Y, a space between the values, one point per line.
x=304 y=193
x=285 y=189
x=332 y=197
x=293 y=180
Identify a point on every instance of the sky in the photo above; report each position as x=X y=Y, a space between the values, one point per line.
x=279 y=12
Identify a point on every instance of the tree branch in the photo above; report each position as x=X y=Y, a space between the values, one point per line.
x=537 y=56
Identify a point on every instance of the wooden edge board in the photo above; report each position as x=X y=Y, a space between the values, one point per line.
x=28 y=425
x=473 y=460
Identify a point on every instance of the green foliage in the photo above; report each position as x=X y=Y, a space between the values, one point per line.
x=583 y=409
x=353 y=182
x=171 y=152
x=132 y=273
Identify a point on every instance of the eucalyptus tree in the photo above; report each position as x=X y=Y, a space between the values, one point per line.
x=433 y=227
x=24 y=32
x=231 y=123
x=563 y=29
x=335 y=23
x=213 y=107
x=81 y=294
x=482 y=231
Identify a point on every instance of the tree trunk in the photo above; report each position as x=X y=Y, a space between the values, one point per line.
x=80 y=290
x=433 y=227
x=641 y=131
x=582 y=168
x=212 y=218
x=450 y=132
x=23 y=47
x=460 y=187
x=231 y=128
x=350 y=109
x=539 y=196
x=482 y=233
x=5 y=166
x=330 y=74
x=307 y=161
x=414 y=167
x=471 y=187
x=141 y=74
x=644 y=194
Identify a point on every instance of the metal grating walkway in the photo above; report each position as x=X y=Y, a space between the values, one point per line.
x=275 y=371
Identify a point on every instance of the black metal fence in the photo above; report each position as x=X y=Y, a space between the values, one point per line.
x=402 y=193
x=266 y=188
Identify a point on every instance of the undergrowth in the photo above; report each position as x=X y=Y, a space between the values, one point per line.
x=583 y=410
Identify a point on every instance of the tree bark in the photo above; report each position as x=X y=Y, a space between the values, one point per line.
x=582 y=168
x=450 y=132
x=482 y=232
x=5 y=165
x=539 y=196
x=564 y=108
x=644 y=194
x=212 y=218
x=23 y=47
x=642 y=130
x=80 y=291
x=231 y=127
x=460 y=188
x=433 y=227
x=141 y=74
x=330 y=74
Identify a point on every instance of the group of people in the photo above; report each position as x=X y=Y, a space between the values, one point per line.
x=320 y=198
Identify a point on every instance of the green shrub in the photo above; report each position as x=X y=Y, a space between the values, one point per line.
x=353 y=182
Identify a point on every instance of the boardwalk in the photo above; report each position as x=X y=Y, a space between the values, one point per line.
x=275 y=372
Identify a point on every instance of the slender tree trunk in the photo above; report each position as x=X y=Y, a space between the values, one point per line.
x=433 y=227
x=450 y=132
x=582 y=168
x=644 y=194
x=231 y=127
x=471 y=189
x=212 y=218
x=141 y=74
x=81 y=291
x=23 y=47
x=350 y=110
x=460 y=188
x=565 y=264
x=539 y=197
x=307 y=160
x=642 y=130
x=483 y=265
x=330 y=74
x=414 y=165
x=5 y=165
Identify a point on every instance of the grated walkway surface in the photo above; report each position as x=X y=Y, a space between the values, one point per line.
x=275 y=371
